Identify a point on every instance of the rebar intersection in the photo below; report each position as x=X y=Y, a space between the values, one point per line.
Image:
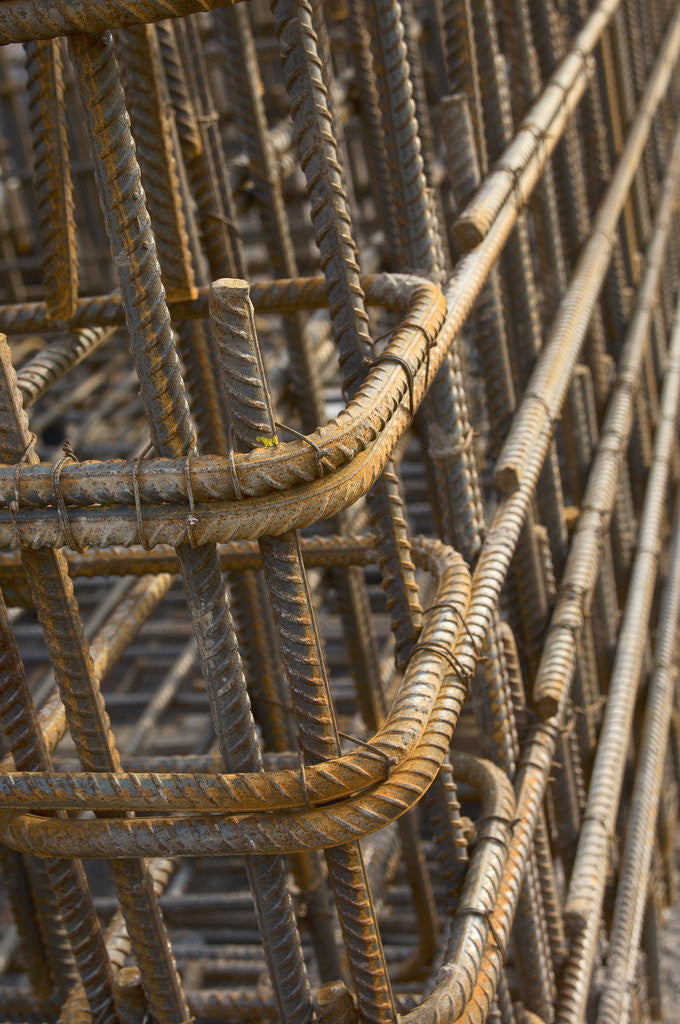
x=339 y=621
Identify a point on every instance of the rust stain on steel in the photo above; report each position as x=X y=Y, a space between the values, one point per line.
x=336 y=490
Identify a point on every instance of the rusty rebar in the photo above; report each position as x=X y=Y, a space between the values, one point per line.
x=450 y=476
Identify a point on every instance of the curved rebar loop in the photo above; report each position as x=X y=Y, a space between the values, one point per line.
x=337 y=779
x=173 y=434
x=301 y=830
x=378 y=401
x=71 y=893
x=333 y=234
x=243 y=378
x=275 y=490
x=55 y=603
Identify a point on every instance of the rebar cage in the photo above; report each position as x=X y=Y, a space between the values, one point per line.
x=339 y=392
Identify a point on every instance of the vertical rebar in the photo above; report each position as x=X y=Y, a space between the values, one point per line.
x=173 y=433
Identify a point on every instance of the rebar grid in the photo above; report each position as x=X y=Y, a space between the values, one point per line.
x=339 y=397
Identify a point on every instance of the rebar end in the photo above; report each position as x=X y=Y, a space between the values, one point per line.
x=546 y=704
x=576 y=916
x=467 y=233
x=507 y=478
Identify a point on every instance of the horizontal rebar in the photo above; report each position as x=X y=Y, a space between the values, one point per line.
x=390 y=785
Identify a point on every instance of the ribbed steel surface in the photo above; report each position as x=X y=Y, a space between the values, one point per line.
x=339 y=535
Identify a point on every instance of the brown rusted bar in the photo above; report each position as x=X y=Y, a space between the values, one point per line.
x=361 y=320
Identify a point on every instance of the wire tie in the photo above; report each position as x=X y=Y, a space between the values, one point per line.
x=389 y=357
x=541 y=401
x=303 y=779
x=465 y=626
x=436 y=648
x=68 y=456
x=598 y=821
x=385 y=758
x=232 y=464
x=192 y=518
x=538 y=135
x=486 y=915
x=389 y=333
x=67 y=448
x=221 y=217
x=447 y=606
x=515 y=173
x=430 y=341
x=320 y=453
x=137 y=497
x=493 y=836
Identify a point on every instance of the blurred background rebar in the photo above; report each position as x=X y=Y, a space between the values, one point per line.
x=339 y=534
